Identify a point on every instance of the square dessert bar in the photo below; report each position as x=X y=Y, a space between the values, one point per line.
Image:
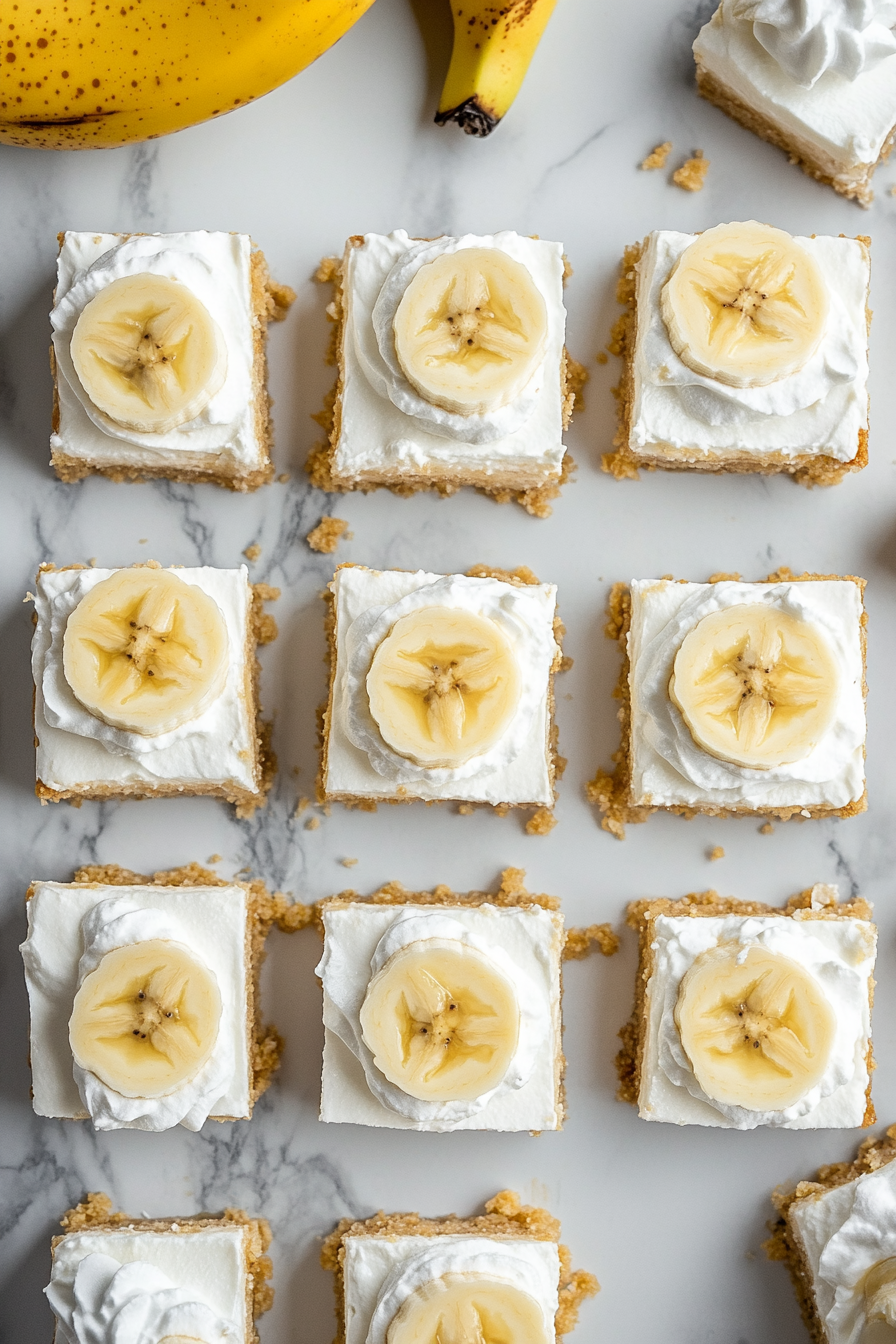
x=835 y=1233
x=441 y=688
x=738 y=699
x=197 y=302
x=435 y=403
x=146 y=684
x=204 y=1276
x=396 y=1270
x=746 y=1015
x=182 y=945
x=492 y=961
x=700 y=393
x=820 y=83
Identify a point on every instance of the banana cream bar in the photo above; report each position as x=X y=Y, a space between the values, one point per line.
x=146 y=684
x=837 y=1235
x=144 y=997
x=746 y=1015
x=199 y=1278
x=745 y=350
x=818 y=81
x=159 y=359
x=441 y=688
x=499 y=1276
x=452 y=368
x=738 y=699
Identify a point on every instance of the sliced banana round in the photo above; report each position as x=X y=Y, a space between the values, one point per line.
x=441 y=1021
x=148 y=353
x=470 y=330
x=145 y=652
x=880 y=1301
x=745 y=304
x=443 y=686
x=756 y=686
x=146 y=1020
x=469 y=1309
x=758 y=1032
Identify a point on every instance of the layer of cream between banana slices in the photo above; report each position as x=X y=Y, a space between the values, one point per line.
x=819 y=409
x=206 y=1267
x=133 y=1304
x=345 y=979
x=843 y=121
x=75 y=747
x=668 y=768
x=845 y=1232
x=377 y=1267
x=385 y=423
x=216 y=267
x=838 y=953
x=68 y=922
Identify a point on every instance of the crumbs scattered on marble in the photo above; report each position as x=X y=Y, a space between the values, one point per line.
x=691 y=176
x=717 y=852
x=252 y=552
x=767 y=829
x=325 y=537
x=312 y=823
x=657 y=156
x=348 y=863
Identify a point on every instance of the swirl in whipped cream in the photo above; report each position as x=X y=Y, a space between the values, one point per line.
x=347 y=991
x=865 y=1237
x=112 y=1303
x=809 y=37
x=521 y=620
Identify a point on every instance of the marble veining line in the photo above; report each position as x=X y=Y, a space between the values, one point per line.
x=139 y=194
x=49 y=518
x=571 y=158
x=845 y=870
x=271 y=848
x=199 y=533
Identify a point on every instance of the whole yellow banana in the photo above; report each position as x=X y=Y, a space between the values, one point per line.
x=80 y=74
x=493 y=45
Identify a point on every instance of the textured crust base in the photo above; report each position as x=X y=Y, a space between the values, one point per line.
x=262 y=630
x=856 y=185
x=504 y=1216
x=95 y=1215
x=784 y=1243
x=270 y=303
x=805 y=468
x=610 y=790
x=542 y=820
x=532 y=488
x=642 y=915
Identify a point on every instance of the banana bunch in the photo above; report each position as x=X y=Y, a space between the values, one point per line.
x=469 y=1307
x=78 y=76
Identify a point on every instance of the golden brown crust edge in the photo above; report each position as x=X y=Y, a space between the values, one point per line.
x=504 y=1216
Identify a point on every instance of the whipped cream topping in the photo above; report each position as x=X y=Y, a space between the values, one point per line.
x=519 y=613
x=842 y=971
x=215 y=267
x=865 y=1237
x=120 y=922
x=809 y=37
x=469 y=1255
x=112 y=1303
x=346 y=985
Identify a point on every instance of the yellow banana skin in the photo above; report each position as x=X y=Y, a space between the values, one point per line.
x=81 y=74
x=493 y=45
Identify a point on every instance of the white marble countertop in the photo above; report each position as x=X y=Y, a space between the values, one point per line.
x=670 y=1220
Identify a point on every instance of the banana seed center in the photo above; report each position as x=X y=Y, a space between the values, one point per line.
x=756 y=1024
x=141 y=647
x=149 y=1014
x=747 y=301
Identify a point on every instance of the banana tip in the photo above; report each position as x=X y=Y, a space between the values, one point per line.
x=471 y=116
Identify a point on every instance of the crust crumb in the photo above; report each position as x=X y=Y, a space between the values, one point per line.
x=717 y=852
x=252 y=552
x=325 y=537
x=767 y=829
x=602 y=357
x=465 y=809
x=214 y=858
x=582 y=942
x=302 y=806
x=657 y=156
x=541 y=822
x=691 y=176
x=312 y=823
x=348 y=863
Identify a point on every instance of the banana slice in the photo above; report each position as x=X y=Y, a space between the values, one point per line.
x=148 y=353
x=756 y=686
x=468 y=1309
x=880 y=1300
x=144 y=651
x=745 y=304
x=443 y=686
x=146 y=1020
x=758 y=1033
x=441 y=1021
x=471 y=330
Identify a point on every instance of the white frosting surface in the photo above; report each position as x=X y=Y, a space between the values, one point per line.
x=371 y=1262
x=209 y=920
x=844 y=123
x=838 y=954
x=216 y=267
x=668 y=768
x=808 y=37
x=516 y=770
x=207 y=1266
x=819 y=409
x=74 y=747
x=526 y=944
x=385 y=424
